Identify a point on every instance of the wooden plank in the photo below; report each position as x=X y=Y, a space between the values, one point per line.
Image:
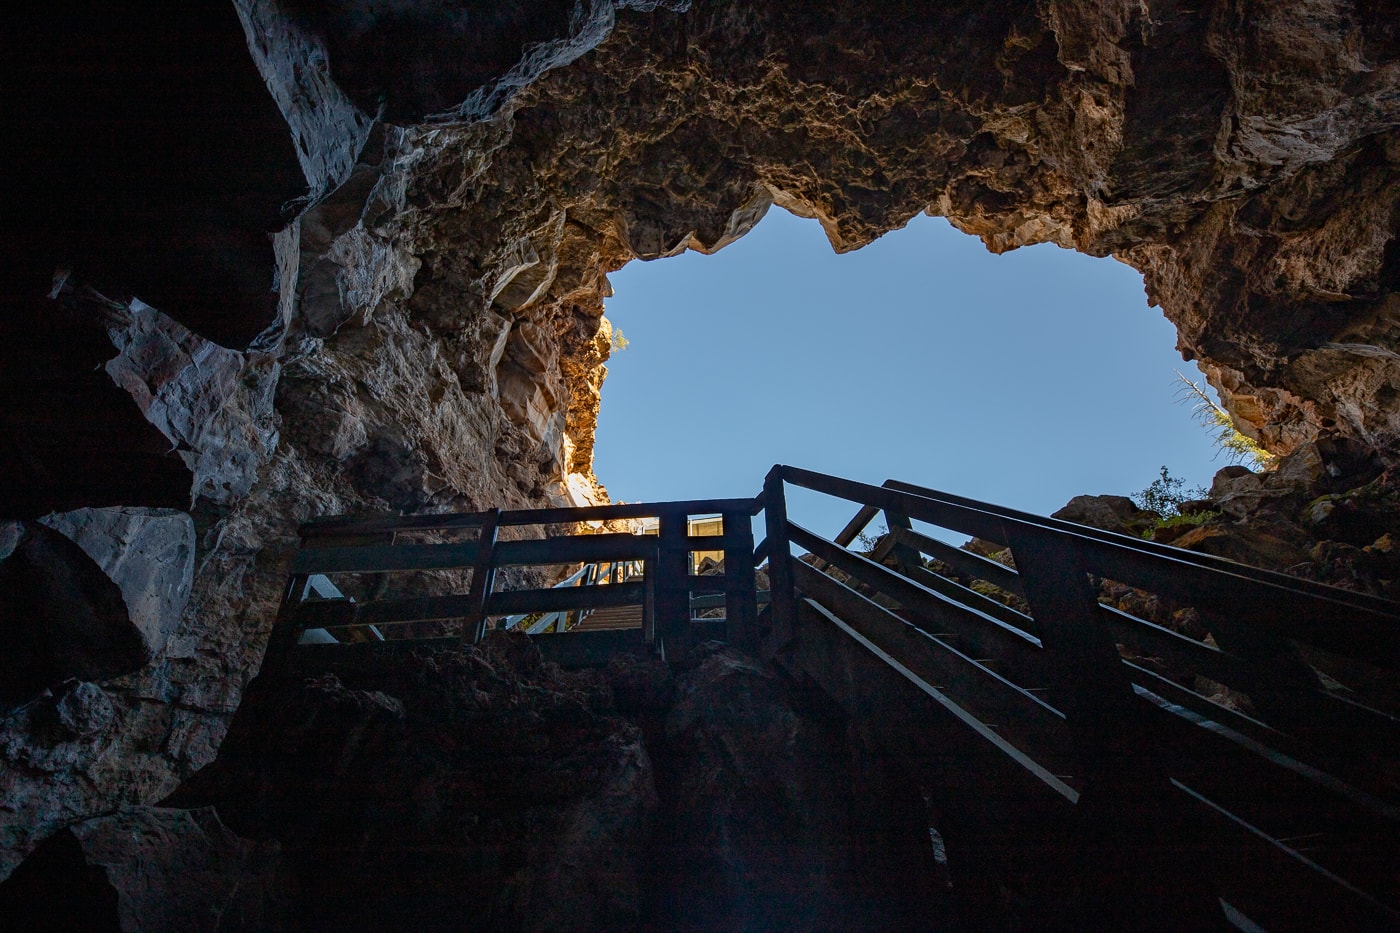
x=1092 y=688
x=862 y=519
x=1211 y=755
x=783 y=608
x=563 y=516
x=286 y=630
x=1257 y=594
x=384 y=611
x=515 y=602
x=717 y=600
x=369 y=524
x=331 y=614
x=906 y=558
x=338 y=525
x=710 y=583
x=999 y=818
x=381 y=558
x=1145 y=680
x=1129 y=813
x=935 y=614
x=1343 y=827
x=974 y=600
x=572 y=649
x=649 y=601
x=713 y=542
x=974 y=565
x=586 y=549
x=672 y=596
x=741 y=604
x=1020 y=717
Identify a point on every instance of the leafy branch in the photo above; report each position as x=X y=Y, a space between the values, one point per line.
x=1165 y=494
x=1237 y=447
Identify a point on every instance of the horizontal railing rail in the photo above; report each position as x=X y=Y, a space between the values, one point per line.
x=378 y=546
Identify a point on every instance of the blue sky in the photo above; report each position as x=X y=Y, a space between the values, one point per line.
x=1023 y=379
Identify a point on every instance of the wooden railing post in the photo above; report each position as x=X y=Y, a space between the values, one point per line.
x=1128 y=814
x=741 y=595
x=782 y=597
x=483 y=579
x=649 y=572
x=906 y=558
x=673 y=586
x=286 y=630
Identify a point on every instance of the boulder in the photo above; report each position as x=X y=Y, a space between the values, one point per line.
x=214 y=404
x=762 y=830
x=148 y=869
x=1118 y=514
x=400 y=794
x=148 y=553
x=61 y=615
x=1269 y=545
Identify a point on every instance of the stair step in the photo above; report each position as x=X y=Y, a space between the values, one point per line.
x=611 y=619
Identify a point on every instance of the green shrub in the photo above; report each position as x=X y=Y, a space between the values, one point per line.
x=1165 y=494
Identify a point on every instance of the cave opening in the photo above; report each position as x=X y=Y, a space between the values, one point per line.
x=1026 y=378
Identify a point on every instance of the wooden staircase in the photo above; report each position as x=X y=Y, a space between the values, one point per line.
x=1068 y=746
x=610 y=619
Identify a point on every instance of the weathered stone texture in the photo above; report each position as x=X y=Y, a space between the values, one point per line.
x=146 y=869
x=481 y=784
x=148 y=553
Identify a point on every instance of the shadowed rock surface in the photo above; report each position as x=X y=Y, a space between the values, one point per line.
x=147 y=869
x=491 y=790
x=480 y=789
x=61 y=617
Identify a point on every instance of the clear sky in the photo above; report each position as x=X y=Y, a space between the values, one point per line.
x=1023 y=379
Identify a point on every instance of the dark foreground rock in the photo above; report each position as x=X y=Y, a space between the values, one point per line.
x=447 y=790
x=147 y=869
x=486 y=789
x=61 y=615
x=766 y=823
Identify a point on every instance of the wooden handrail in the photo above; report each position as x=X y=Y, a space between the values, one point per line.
x=1293 y=608
x=336 y=526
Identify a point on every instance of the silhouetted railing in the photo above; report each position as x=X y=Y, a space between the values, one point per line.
x=1282 y=802
x=1149 y=779
x=380 y=546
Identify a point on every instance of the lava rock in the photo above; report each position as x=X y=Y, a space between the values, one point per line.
x=1118 y=514
x=433 y=778
x=61 y=617
x=146 y=869
x=148 y=553
x=759 y=836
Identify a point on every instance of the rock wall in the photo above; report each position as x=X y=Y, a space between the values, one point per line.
x=390 y=297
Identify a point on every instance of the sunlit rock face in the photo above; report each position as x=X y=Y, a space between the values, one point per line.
x=363 y=267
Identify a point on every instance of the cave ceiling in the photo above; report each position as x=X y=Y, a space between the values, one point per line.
x=462 y=166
